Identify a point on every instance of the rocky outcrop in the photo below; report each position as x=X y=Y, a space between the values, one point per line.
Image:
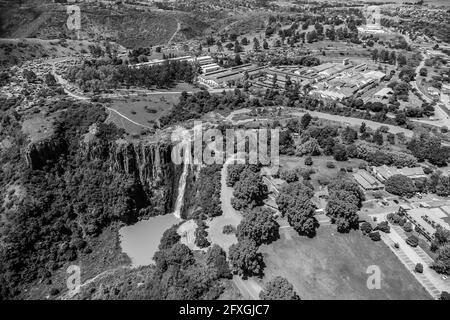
x=38 y=153
x=148 y=162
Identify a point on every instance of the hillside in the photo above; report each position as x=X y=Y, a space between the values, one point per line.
x=128 y=26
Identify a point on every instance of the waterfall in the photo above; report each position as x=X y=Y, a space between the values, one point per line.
x=181 y=189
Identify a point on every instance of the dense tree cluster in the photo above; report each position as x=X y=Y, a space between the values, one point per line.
x=258 y=225
x=400 y=185
x=179 y=276
x=428 y=147
x=245 y=259
x=249 y=191
x=208 y=196
x=98 y=75
x=192 y=106
x=68 y=200
x=345 y=200
x=294 y=202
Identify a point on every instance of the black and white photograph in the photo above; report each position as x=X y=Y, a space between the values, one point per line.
x=222 y=155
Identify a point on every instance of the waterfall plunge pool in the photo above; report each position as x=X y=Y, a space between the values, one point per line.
x=140 y=241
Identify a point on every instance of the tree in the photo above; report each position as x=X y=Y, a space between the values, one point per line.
x=249 y=191
x=233 y=173
x=442 y=261
x=258 y=225
x=418 y=268
x=201 y=235
x=256 y=45
x=346 y=184
x=378 y=137
x=375 y=236
x=245 y=259
x=340 y=153
x=366 y=228
x=294 y=201
x=278 y=289
x=217 y=258
x=363 y=128
x=305 y=120
x=169 y=238
x=342 y=212
x=383 y=226
x=441 y=237
x=400 y=185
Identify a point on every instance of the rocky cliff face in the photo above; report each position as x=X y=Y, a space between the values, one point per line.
x=38 y=153
x=149 y=162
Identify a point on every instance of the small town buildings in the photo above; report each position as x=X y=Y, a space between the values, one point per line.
x=384 y=93
x=427 y=221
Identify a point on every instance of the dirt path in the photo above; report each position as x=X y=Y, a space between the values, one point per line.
x=175 y=33
x=249 y=288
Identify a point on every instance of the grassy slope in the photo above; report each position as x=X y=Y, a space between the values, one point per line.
x=333 y=266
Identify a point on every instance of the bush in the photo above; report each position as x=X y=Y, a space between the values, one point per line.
x=413 y=241
x=366 y=228
x=228 y=229
x=308 y=161
x=396 y=245
x=383 y=226
x=375 y=236
x=418 y=268
x=330 y=165
x=407 y=227
x=444 y=295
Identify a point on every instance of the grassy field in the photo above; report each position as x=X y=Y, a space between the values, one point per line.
x=333 y=266
x=144 y=110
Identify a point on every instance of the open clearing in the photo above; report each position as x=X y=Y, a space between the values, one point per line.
x=334 y=265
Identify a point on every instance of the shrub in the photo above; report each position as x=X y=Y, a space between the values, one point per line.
x=396 y=245
x=383 y=226
x=408 y=227
x=366 y=228
x=418 y=268
x=228 y=229
x=375 y=236
x=308 y=161
x=330 y=165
